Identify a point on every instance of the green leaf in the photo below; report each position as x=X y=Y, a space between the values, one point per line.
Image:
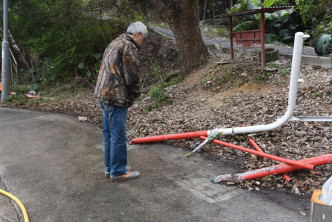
x=88 y=73
x=284 y=33
x=279 y=14
x=97 y=55
x=252 y=5
x=258 y=16
x=244 y=26
x=255 y=2
x=270 y=38
x=268 y=3
x=277 y=24
x=81 y=65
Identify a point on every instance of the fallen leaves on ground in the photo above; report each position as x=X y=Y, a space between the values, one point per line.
x=232 y=94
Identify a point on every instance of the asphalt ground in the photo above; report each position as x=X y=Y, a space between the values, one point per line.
x=54 y=165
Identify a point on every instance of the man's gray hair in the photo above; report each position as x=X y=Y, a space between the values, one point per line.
x=135 y=27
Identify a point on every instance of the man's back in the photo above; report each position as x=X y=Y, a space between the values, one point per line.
x=118 y=79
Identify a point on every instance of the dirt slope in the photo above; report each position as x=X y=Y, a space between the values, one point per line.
x=205 y=100
x=227 y=93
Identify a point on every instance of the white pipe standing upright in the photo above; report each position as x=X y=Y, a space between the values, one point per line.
x=295 y=72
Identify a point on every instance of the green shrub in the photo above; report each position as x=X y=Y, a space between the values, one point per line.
x=10 y=98
x=155 y=69
x=20 y=89
x=18 y=99
x=207 y=78
x=63 y=38
x=224 y=79
x=171 y=79
x=223 y=32
x=258 y=78
x=283 y=72
x=157 y=94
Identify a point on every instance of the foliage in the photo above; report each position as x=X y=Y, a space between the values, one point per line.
x=155 y=69
x=255 y=22
x=19 y=89
x=223 y=32
x=66 y=38
x=276 y=23
x=158 y=94
x=312 y=16
x=244 y=5
x=224 y=79
x=208 y=77
x=171 y=79
x=63 y=38
x=159 y=97
x=19 y=99
x=283 y=72
x=316 y=16
x=313 y=10
x=268 y=3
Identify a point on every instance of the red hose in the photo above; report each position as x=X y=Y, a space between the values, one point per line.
x=269 y=156
x=255 y=146
x=277 y=169
x=286 y=177
x=177 y=136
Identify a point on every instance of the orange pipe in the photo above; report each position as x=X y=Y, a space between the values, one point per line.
x=255 y=146
x=178 y=136
x=265 y=155
x=276 y=169
x=286 y=177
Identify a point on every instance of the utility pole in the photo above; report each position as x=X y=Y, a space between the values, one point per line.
x=5 y=54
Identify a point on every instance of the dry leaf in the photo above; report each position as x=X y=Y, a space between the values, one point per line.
x=302 y=213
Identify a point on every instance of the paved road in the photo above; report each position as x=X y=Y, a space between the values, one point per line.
x=54 y=165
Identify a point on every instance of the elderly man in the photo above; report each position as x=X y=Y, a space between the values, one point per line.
x=116 y=89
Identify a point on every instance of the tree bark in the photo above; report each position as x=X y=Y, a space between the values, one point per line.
x=182 y=17
x=17 y=52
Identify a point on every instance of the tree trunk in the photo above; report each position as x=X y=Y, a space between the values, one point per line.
x=182 y=17
x=17 y=52
x=204 y=11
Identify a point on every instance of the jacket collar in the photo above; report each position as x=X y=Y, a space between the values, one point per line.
x=126 y=36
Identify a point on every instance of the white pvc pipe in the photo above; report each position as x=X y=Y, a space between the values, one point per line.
x=296 y=62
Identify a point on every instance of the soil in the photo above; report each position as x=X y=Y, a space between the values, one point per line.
x=229 y=94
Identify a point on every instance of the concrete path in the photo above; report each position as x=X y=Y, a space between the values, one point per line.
x=309 y=57
x=54 y=165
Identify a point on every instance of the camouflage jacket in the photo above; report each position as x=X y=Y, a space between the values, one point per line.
x=118 y=79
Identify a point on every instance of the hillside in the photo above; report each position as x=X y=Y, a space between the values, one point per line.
x=222 y=93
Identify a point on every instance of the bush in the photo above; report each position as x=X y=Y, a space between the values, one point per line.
x=19 y=99
x=316 y=17
x=159 y=97
x=157 y=94
x=63 y=38
x=223 y=32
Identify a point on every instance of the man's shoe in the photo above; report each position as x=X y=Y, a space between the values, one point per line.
x=107 y=174
x=128 y=176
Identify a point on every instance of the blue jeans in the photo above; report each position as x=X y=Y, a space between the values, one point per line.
x=115 y=138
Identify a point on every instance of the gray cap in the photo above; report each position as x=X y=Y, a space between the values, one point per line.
x=136 y=27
